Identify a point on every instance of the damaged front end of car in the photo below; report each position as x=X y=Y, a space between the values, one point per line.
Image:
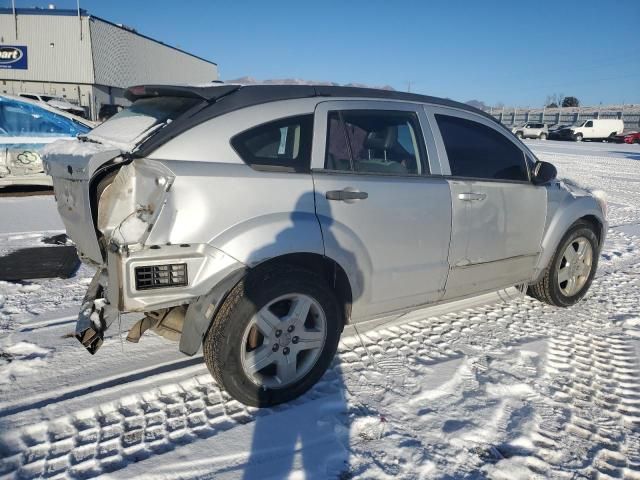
x=120 y=213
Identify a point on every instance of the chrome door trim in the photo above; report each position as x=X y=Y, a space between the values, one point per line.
x=516 y=257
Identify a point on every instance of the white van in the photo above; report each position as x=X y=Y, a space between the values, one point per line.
x=595 y=129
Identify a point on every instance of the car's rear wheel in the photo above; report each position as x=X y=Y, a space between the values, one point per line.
x=571 y=271
x=637 y=140
x=578 y=137
x=274 y=336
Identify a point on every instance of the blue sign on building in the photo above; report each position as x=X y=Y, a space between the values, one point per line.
x=13 y=57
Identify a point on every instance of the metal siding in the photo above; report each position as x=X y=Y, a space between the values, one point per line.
x=69 y=60
x=123 y=58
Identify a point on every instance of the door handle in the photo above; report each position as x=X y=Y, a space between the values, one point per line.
x=344 y=195
x=472 y=197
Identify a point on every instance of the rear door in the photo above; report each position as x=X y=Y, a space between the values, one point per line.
x=498 y=214
x=384 y=217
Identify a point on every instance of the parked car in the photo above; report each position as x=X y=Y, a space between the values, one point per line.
x=25 y=128
x=258 y=220
x=57 y=102
x=532 y=130
x=555 y=130
x=629 y=137
x=595 y=129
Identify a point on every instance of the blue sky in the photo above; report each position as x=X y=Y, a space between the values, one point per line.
x=514 y=52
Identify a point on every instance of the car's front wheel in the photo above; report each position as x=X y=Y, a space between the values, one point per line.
x=543 y=136
x=578 y=137
x=274 y=336
x=519 y=135
x=571 y=271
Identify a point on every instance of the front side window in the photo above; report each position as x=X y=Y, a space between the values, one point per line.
x=283 y=144
x=374 y=141
x=477 y=151
x=589 y=124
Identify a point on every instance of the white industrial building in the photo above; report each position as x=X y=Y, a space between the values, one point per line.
x=85 y=59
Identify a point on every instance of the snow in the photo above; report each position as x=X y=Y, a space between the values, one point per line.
x=507 y=390
x=24 y=214
x=75 y=148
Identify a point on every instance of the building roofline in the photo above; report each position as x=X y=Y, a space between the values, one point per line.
x=60 y=12
x=159 y=42
x=73 y=13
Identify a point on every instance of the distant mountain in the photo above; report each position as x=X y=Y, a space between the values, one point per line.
x=298 y=81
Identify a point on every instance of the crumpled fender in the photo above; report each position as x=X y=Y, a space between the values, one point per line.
x=201 y=312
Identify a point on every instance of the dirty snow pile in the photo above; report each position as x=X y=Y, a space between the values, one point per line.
x=506 y=390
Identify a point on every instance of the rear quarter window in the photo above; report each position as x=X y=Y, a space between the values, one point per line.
x=280 y=145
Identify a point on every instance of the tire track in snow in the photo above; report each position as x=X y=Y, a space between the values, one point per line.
x=112 y=435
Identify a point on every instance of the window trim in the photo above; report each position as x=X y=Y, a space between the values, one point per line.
x=433 y=110
x=277 y=168
x=420 y=138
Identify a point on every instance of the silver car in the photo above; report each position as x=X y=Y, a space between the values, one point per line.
x=532 y=130
x=257 y=221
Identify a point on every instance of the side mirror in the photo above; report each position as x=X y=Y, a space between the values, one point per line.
x=543 y=172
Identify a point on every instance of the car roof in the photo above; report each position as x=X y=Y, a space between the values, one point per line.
x=219 y=99
x=49 y=108
x=257 y=94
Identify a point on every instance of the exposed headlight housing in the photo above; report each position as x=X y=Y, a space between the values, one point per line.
x=129 y=205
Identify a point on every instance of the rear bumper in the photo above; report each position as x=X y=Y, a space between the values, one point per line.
x=113 y=289
x=205 y=265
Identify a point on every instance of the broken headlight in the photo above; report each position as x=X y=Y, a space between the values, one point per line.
x=128 y=206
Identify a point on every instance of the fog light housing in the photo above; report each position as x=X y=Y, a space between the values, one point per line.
x=161 y=276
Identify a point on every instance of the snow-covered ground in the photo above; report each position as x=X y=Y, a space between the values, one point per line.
x=514 y=389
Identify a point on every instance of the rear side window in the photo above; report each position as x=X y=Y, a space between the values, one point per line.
x=281 y=145
x=477 y=151
x=374 y=141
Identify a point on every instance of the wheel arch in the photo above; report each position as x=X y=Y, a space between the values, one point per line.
x=582 y=209
x=335 y=276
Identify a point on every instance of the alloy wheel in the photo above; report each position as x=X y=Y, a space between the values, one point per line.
x=283 y=341
x=575 y=266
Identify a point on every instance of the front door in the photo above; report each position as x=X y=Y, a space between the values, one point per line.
x=384 y=219
x=498 y=214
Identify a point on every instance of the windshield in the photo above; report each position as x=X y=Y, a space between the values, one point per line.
x=21 y=119
x=126 y=126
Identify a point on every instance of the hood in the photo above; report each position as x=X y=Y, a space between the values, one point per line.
x=77 y=159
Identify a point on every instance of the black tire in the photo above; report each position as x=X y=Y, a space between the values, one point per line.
x=543 y=136
x=519 y=135
x=547 y=290
x=578 y=137
x=222 y=343
x=637 y=140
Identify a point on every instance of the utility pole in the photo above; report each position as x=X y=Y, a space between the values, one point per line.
x=79 y=19
x=15 y=18
x=408 y=86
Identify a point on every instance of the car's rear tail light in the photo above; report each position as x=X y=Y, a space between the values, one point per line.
x=160 y=276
